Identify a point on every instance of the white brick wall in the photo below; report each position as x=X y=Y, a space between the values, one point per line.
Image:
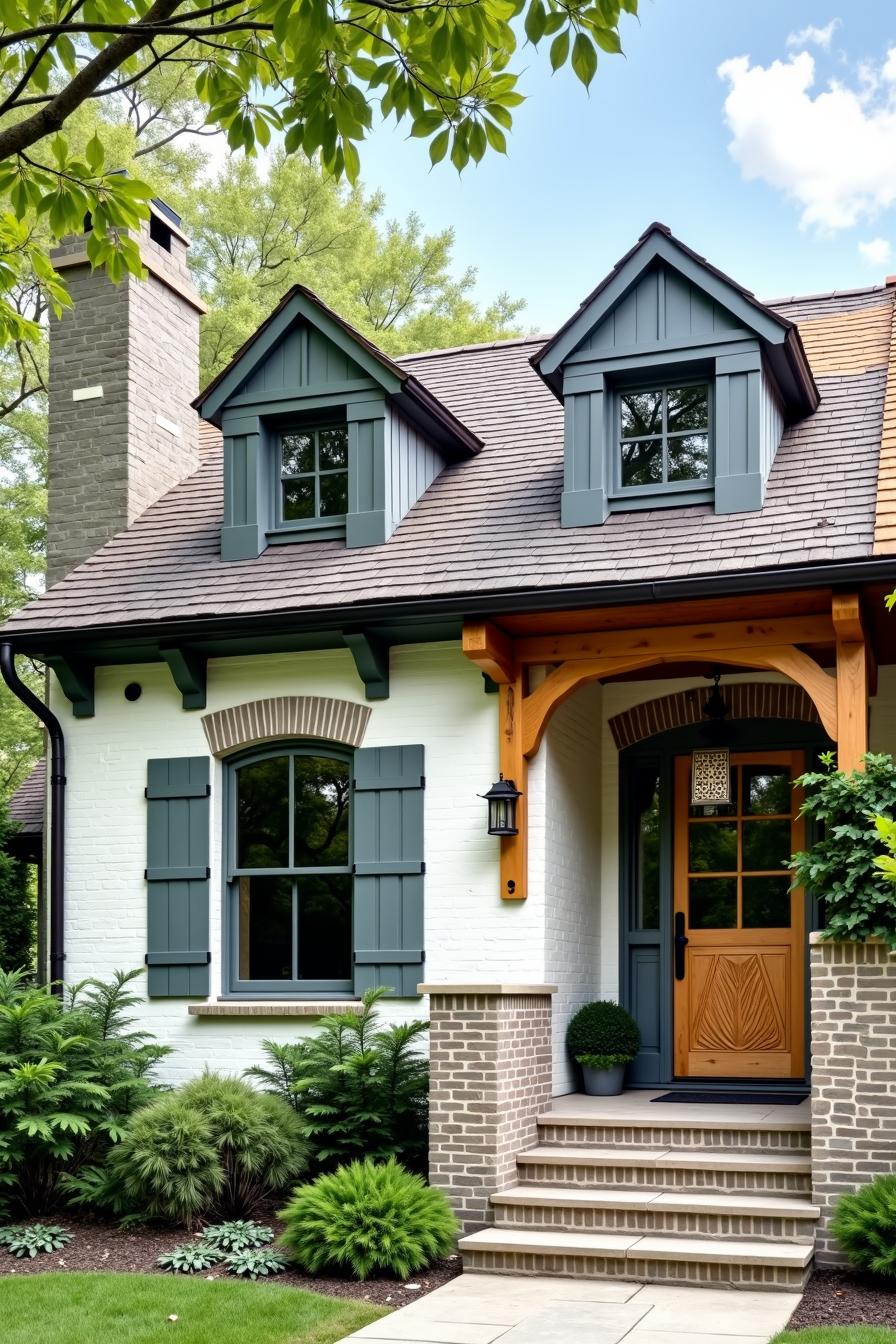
x=436 y=698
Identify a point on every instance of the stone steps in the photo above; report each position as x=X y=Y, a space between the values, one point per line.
x=654 y=1259
x=560 y=1208
x=715 y=1171
x=705 y=1196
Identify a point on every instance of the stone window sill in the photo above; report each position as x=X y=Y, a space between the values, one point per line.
x=275 y=1008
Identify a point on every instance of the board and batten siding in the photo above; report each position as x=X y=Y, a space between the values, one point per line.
x=302 y=357
x=436 y=700
x=662 y=306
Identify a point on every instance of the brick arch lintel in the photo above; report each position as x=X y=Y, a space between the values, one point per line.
x=258 y=721
x=745 y=700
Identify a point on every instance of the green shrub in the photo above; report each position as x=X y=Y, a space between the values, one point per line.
x=359 y=1090
x=368 y=1218
x=602 y=1035
x=841 y=868
x=239 y=1235
x=864 y=1225
x=213 y=1148
x=38 y=1239
x=194 y=1257
x=254 y=1262
x=18 y=908
x=71 y=1072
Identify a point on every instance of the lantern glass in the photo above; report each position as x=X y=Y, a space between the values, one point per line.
x=710 y=777
x=501 y=799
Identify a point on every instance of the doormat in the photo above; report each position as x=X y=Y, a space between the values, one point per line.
x=735 y=1098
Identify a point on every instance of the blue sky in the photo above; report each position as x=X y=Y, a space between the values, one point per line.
x=587 y=172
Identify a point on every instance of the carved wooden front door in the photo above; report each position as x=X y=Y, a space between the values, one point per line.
x=739 y=976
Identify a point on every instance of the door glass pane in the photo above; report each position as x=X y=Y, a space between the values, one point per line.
x=263 y=814
x=766 y=845
x=647 y=855
x=767 y=789
x=689 y=458
x=642 y=462
x=325 y=928
x=265 y=928
x=321 y=834
x=766 y=902
x=712 y=847
x=713 y=902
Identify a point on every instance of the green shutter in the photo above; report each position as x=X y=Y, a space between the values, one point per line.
x=388 y=868
x=177 y=877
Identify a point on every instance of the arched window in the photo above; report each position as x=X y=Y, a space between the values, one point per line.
x=290 y=870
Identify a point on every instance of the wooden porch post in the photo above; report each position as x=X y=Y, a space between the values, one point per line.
x=852 y=681
x=513 y=764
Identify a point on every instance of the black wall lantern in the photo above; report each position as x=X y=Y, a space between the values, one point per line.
x=501 y=799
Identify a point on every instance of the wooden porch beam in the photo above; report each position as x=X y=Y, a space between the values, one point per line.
x=682 y=641
x=560 y=684
x=491 y=650
x=513 y=765
x=853 y=669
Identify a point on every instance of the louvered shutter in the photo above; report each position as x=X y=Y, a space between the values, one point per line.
x=177 y=877
x=388 y=868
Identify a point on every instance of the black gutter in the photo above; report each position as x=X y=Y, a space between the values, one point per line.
x=492 y=602
x=57 y=810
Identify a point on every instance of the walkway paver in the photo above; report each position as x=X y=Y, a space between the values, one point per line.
x=487 y=1308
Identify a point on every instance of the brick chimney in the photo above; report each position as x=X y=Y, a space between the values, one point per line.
x=124 y=367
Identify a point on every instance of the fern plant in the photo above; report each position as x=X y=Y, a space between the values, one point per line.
x=193 y=1257
x=38 y=1239
x=864 y=1225
x=71 y=1071
x=238 y=1235
x=255 y=1262
x=368 y=1218
x=360 y=1090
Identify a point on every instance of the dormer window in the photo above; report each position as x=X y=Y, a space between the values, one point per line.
x=664 y=436
x=314 y=474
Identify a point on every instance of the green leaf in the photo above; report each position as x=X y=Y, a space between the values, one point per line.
x=607 y=40
x=426 y=124
x=560 y=49
x=438 y=147
x=95 y=154
x=584 y=59
x=496 y=137
x=534 y=25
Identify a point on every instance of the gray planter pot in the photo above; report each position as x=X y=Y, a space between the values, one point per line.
x=604 y=1082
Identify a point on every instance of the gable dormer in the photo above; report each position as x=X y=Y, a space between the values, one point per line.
x=324 y=435
x=676 y=385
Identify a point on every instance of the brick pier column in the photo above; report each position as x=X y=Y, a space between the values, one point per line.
x=490 y=1059
x=853 y=1073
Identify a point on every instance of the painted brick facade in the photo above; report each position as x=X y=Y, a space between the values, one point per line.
x=110 y=458
x=490 y=1055
x=853 y=1069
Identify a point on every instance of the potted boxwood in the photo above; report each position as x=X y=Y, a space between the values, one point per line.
x=603 y=1038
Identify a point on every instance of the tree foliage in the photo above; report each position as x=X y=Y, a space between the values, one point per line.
x=842 y=867
x=17 y=907
x=309 y=72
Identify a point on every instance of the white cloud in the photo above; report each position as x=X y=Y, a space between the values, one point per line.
x=832 y=151
x=812 y=36
x=877 y=251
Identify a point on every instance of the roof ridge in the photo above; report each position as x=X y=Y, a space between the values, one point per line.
x=826 y=294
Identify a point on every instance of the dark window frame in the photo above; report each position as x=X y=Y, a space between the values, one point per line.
x=317 y=520
x=665 y=486
x=234 y=987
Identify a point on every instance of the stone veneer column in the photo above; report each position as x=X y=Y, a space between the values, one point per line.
x=490 y=1054
x=853 y=1073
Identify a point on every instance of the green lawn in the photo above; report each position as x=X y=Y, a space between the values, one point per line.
x=838 y=1334
x=134 y=1309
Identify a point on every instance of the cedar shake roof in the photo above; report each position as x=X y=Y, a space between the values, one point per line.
x=26 y=806
x=492 y=523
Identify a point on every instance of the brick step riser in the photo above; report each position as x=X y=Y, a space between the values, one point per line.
x=671 y=1178
x=691 y=1274
x=725 y=1140
x=535 y=1218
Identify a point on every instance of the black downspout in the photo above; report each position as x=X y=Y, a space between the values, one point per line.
x=57 y=809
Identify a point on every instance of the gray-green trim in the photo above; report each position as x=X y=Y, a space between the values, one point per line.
x=371 y=655
x=177 y=877
x=76 y=679
x=188 y=672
